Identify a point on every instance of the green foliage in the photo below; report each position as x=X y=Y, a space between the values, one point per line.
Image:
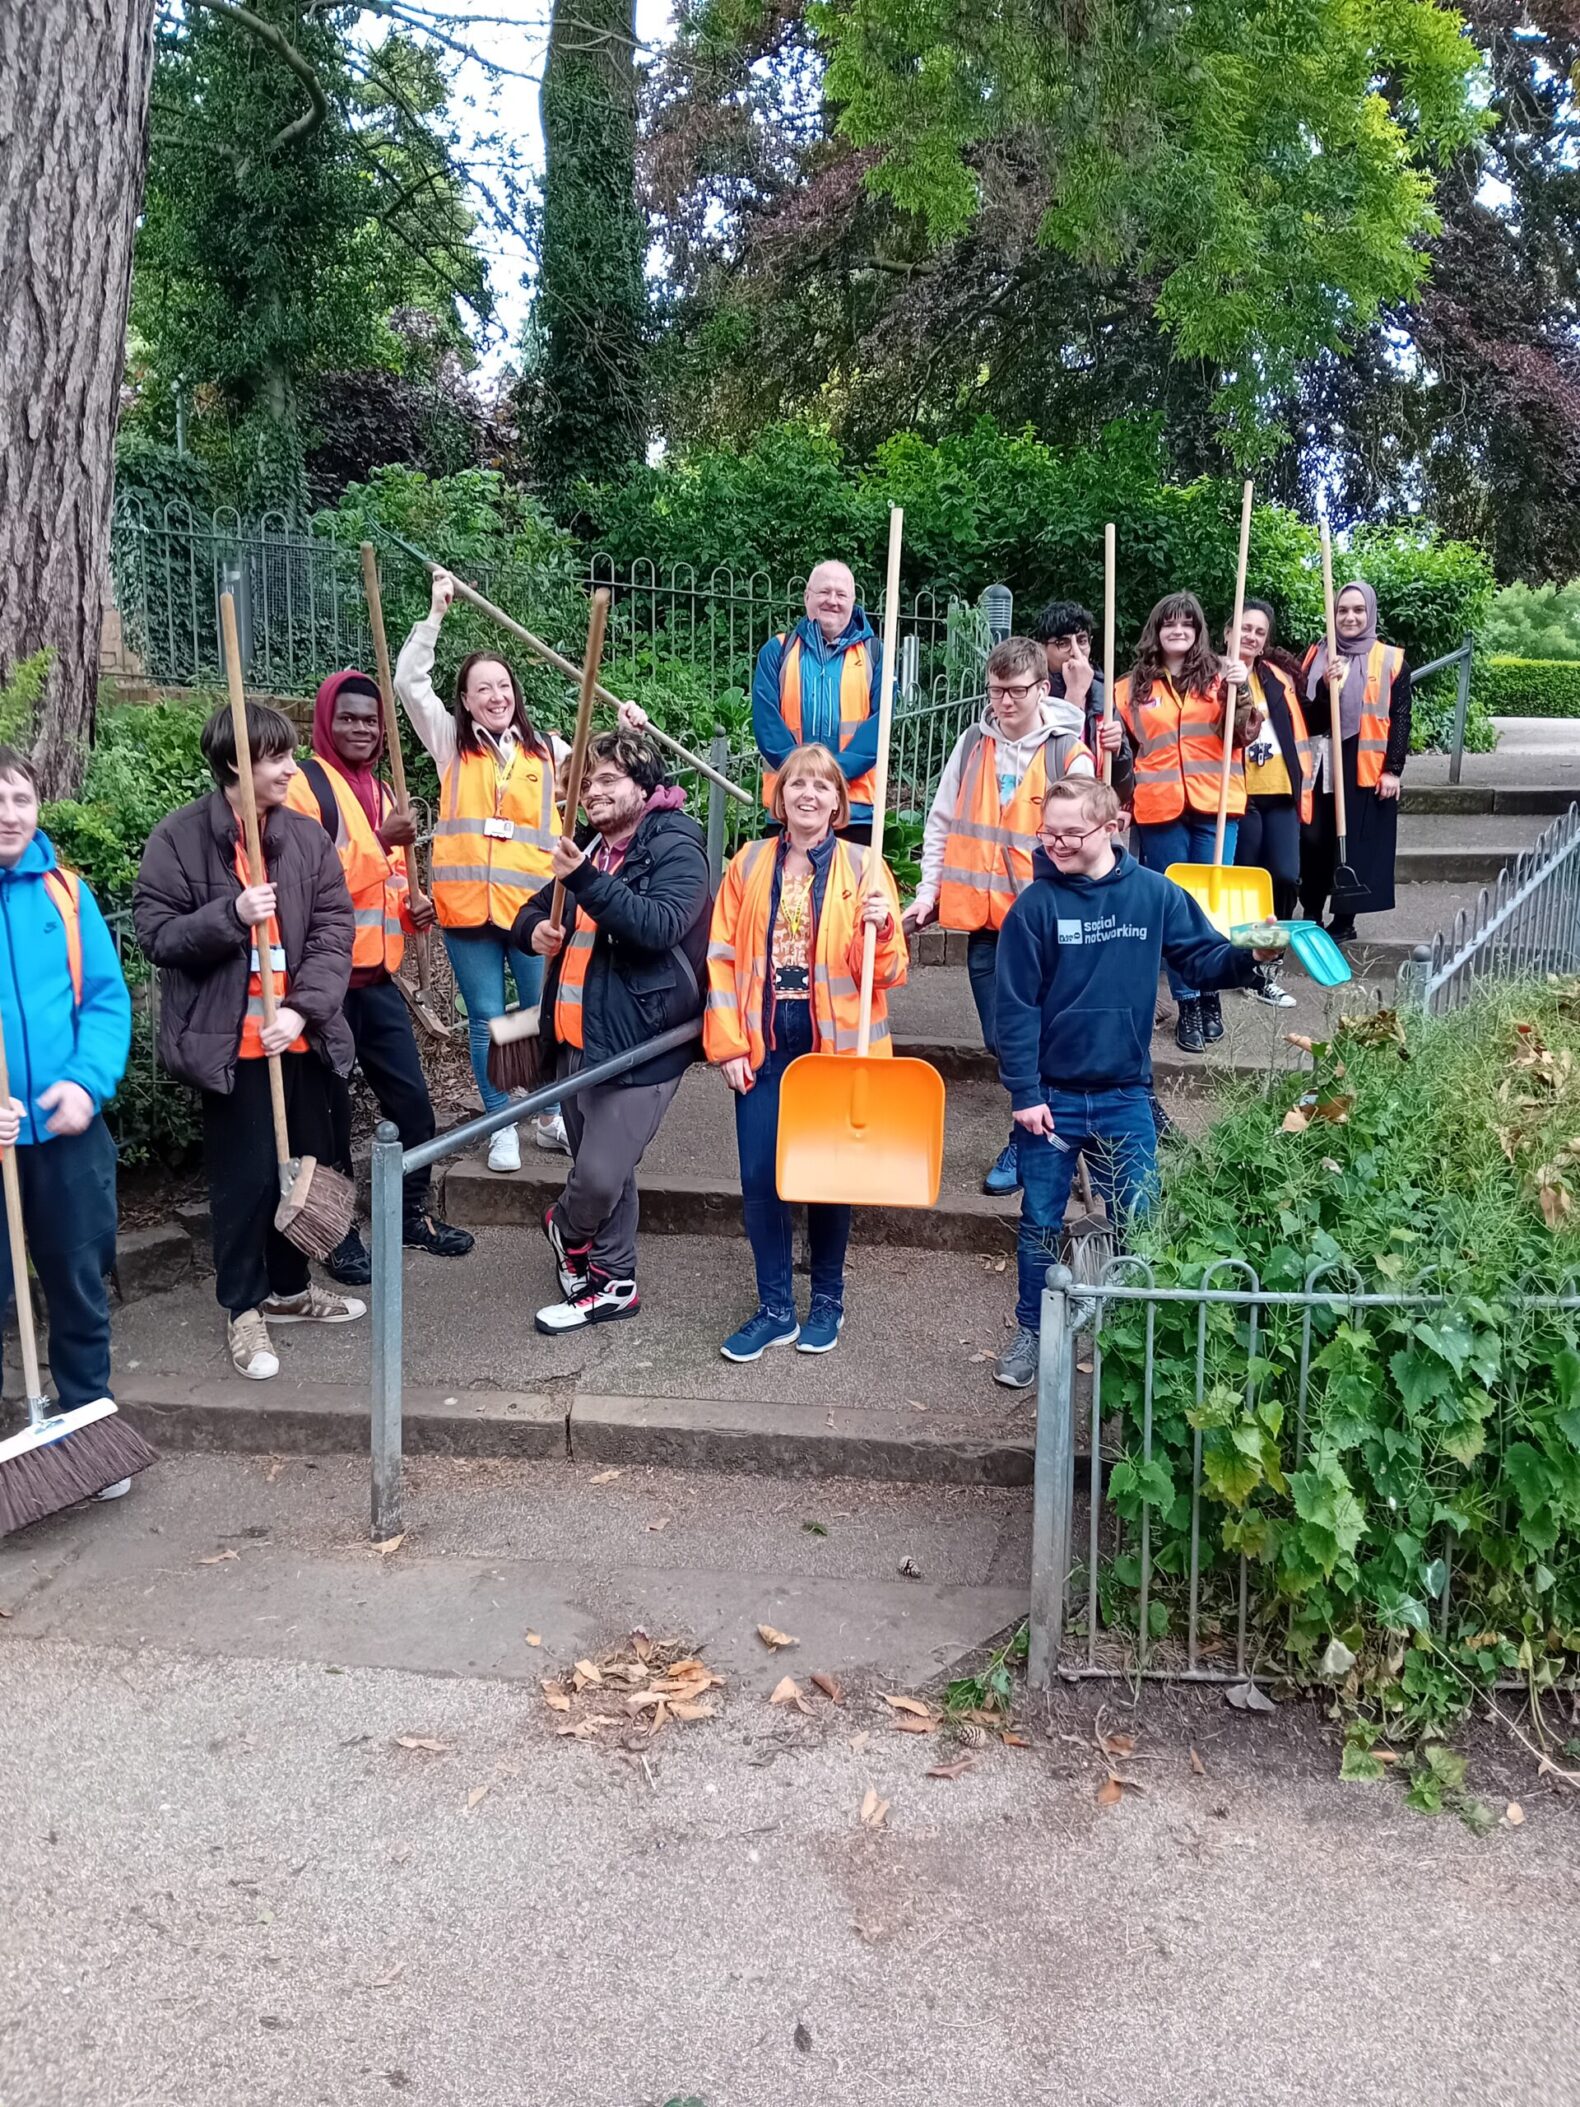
x=1526 y=687
x=20 y=697
x=993 y=1689
x=145 y=762
x=1238 y=156
x=1540 y=621
x=1429 y=1440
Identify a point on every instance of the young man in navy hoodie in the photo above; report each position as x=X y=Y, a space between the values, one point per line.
x=1078 y=962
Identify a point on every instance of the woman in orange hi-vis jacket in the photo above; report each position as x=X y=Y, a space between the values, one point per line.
x=1172 y=704
x=784 y=979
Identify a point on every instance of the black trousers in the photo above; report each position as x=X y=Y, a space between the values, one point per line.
x=252 y=1261
x=387 y=1055
x=68 y=1211
x=1269 y=840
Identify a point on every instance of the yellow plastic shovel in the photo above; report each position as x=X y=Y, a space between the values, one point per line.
x=854 y=1131
x=1227 y=894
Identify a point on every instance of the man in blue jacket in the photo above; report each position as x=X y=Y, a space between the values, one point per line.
x=68 y=1028
x=818 y=684
x=1078 y=961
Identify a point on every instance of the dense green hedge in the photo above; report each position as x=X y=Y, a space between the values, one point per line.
x=1527 y=687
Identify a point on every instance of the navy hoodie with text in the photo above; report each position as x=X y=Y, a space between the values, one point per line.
x=1078 y=962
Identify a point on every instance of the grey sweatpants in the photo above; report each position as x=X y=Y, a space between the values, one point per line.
x=609 y=1127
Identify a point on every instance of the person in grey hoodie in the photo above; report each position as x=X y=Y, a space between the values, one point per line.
x=981 y=832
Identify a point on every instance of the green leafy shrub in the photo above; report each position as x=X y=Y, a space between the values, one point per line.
x=1526 y=687
x=145 y=762
x=1534 y=621
x=1431 y=1440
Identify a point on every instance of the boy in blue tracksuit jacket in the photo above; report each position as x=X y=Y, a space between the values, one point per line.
x=1078 y=961
x=68 y=1028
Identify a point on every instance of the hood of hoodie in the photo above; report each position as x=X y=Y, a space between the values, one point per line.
x=1056 y=718
x=37 y=858
x=324 y=714
x=858 y=630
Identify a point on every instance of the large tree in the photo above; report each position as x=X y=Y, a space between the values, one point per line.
x=74 y=80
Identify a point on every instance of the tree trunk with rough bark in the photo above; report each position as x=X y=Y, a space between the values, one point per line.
x=74 y=79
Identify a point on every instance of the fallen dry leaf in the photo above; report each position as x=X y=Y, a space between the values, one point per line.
x=1295 y=1121
x=689 y=1712
x=604 y=1478
x=533 y=1639
x=424 y=1742
x=588 y=1673
x=554 y=1696
x=775 y=1639
x=270 y=1475
x=787 y=1691
x=1110 y=1793
x=957 y=1769
x=476 y=1797
x=580 y=1729
x=653 y=1528
x=390 y=1545
x=908 y=1704
x=382 y=1982
x=220 y=1558
x=1197 y=1765
x=678 y=1670
x=874 y=1811
x=1016 y=1741
x=1118 y=1745
x=828 y=1686
x=5 y=1613
x=914 y=1726
x=859 y=1741
x=1514 y=1814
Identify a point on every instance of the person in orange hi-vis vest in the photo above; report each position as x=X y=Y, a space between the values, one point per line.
x=1280 y=770
x=981 y=832
x=1375 y=707
x=817 y=685
x=68 y=1028
x=626 y=965
x=339 y=787
x=784 y=979
x=1172 y=703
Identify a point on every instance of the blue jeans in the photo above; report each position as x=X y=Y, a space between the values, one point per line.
x=478 y=963
x=767 y=1217
x=1189 y=839
x=1114 y=1131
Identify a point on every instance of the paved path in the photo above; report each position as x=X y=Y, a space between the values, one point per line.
x=1531 y=751
x=224 y=1880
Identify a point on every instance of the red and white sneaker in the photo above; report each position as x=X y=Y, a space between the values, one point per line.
x=570 y=1260
x=602 y=1301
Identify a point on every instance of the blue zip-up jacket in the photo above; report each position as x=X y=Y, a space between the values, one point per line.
x=822 y=666
x=48 y=1039
x=1078 y=962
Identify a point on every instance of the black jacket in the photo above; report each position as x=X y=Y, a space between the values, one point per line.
x=648 y=970
x=184 y=911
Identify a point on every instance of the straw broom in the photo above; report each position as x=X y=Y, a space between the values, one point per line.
x=61 y=1458
x=317 y=1205
x=514 y=1061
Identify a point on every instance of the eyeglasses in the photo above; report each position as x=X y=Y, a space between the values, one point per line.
x=1057 y=838
x=1019 y=694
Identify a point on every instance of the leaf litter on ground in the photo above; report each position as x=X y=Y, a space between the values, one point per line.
x=653 y=1681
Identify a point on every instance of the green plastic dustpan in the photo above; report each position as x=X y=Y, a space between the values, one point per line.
x=1315 y=952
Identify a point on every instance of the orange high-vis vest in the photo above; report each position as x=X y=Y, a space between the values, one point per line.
x=987 y=857
x=375 y=879
x=1383 y=663
x=1178 y=744
x=736 y=1020
x=572 y=983
x=491 y=844
x=855 y=707
x=1302 y=783
x=251 y=1047
x=65 y=890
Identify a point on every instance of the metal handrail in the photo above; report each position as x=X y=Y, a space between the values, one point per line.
x=390 y=1165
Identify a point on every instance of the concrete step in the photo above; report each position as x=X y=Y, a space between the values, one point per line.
x=1466 y=798
x=1464 y=849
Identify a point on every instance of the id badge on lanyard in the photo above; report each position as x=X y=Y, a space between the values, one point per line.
x=498 y=828
x=276 y=960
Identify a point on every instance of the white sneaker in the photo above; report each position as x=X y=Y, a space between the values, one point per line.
x=550 y=1133
x=504 y=1150
x=315 y=1305
x=600 y=1302
x=251 y=1354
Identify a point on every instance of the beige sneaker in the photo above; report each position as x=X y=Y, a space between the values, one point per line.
x=316 y=1305
x=247 y=1336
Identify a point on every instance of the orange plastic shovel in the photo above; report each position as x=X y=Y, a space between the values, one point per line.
x=853 y=1130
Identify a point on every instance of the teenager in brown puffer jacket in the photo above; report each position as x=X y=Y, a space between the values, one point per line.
x=200 y=923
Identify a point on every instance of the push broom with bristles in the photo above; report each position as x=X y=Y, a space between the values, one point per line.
x=514 y=1054
x=317 y=1205
x=63 y=1457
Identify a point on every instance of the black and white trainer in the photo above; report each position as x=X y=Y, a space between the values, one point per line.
x=601 y=1301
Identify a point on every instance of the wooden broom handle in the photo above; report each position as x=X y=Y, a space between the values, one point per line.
x=880 y=774
x=256 y=871
x=1335 y=685
x=18 y=1243
x=1110 y=565
x=597 y=621
x=1230 y=691
x=381 y=662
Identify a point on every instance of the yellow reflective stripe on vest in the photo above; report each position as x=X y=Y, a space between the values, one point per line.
x=482 y=880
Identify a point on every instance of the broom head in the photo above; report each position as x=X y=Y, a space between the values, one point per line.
x=515 y=1050
x=317 y=1206
x=64 y=1458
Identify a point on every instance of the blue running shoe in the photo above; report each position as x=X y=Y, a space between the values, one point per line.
x=758 y=1333
x=820 y=1333
x=1004 y=1178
